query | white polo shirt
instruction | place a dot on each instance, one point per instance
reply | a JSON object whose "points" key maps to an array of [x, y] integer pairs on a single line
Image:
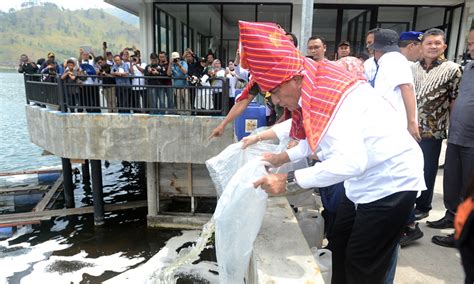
{"points": [[394, 70], [370, 69], [363, 148]]}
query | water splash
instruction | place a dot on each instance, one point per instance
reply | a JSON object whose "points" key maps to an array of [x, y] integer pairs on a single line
{"points": [[166, 275]]}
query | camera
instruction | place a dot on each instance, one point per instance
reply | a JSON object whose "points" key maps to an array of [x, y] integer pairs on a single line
{"points": [[175, 60]]}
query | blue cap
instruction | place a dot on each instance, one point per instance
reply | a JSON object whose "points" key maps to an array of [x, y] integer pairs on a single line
{"points": [[417, 36]]}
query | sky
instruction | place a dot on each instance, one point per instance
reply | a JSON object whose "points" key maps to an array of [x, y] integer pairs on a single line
{"points": [[5, 5]]}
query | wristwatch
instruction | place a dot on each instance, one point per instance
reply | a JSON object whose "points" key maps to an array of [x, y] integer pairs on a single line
{"points": [[291, 184]]}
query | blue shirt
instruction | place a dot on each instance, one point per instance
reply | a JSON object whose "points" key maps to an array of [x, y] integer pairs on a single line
{"points": [[122, 68], [176, 72]]}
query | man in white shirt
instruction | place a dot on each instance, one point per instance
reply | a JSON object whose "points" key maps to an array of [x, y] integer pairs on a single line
{"points": [[370, 66], [380, 163], [394, 79]]}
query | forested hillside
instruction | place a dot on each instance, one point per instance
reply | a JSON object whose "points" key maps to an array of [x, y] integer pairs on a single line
{"points": [[38, 30]]}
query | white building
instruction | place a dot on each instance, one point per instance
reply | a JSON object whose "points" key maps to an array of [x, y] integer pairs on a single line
{"points": [[212, 26]]}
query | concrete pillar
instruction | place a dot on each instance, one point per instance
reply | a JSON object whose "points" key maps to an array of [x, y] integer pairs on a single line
{"points": [[86, 176], [302, 23], [152, 190], [97, 193], [67, 183], [306, 23], [145, 15]]}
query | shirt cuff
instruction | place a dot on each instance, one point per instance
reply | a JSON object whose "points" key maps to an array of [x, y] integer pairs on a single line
{"points": [[300, 151], [304, 177]]}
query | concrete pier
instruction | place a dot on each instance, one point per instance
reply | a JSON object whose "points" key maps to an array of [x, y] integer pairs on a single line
{"points": [[86, 176], [67, 183], [97, 193], [174, 148]]}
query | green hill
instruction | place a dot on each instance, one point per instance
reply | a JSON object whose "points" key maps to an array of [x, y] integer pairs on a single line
{"points": [[38, 30]]}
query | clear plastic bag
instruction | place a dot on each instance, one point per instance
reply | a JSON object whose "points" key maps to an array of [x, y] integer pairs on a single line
{"points": [[240, 209], [238, 217], [223, 166]]}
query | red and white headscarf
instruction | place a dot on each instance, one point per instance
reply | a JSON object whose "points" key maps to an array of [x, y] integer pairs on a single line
{"points": [[272, 60]]}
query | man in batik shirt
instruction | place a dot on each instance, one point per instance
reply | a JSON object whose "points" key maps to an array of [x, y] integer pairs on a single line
{"points": [[436, 85]]}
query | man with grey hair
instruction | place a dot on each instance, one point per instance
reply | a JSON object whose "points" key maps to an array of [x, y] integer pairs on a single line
{"points": [[436, 86]]}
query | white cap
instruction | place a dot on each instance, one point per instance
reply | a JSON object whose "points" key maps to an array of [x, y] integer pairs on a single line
{"points": [[175, 55]]}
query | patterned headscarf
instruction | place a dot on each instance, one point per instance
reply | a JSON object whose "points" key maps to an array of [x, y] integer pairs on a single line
{"points": [[272, 60]]}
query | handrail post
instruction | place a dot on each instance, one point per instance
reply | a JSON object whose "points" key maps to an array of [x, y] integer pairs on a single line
{"points": [[62, 104], [26, 89], [225, 96]]}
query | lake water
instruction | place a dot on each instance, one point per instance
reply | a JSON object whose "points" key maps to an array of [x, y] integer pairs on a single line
{"points": [[16, 150], [72, 249]]}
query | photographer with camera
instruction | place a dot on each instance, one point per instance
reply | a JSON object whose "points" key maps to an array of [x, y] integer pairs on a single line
{"points": [[52, 57], [26, 66], [178, 69], [69, 77], [157, 68], [49, 71], [108, 56], [137, 69], [108, 82], [121, 72]]}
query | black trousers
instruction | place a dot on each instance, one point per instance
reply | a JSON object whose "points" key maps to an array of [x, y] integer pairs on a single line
{"points": [[458, 168], [363, 240]]}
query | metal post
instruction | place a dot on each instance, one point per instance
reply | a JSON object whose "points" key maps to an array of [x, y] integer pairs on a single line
{"points": [[61, 101], [86, 176], [225, 96], [151, 189], [67, 183], [97, 194]]}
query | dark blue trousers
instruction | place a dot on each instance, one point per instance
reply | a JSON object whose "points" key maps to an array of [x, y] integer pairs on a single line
{"points": [[431, 149]]}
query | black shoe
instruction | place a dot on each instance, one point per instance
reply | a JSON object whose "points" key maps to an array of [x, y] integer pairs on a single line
{"points": [[445, 241], [410, 235], [442, 223], [421, 214]]}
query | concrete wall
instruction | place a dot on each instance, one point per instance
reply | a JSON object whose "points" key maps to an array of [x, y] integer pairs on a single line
{"points": [[281, 253], [131, 137]]}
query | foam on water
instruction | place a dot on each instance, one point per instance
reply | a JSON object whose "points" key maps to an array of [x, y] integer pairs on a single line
{"points": [[168, 263], [20, 257], [49, 268], [70, 269]]}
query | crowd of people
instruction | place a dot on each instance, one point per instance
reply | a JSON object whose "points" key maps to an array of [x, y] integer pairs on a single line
{"points": [[376, 126], [128, 83]]}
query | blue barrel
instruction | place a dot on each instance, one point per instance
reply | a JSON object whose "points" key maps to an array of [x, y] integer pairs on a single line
{"points": [[48, 178], [6, 232], [252, 118]]}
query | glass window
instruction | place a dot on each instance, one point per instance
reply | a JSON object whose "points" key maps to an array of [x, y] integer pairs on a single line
{"points": [[211, 27], [206, 21], [171, 15], [230, 28], [279, 14], [453, 35], [429, 17], [324, 25], [355, 23], [399, 19]]}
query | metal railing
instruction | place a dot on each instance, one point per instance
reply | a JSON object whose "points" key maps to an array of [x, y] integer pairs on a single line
{"points": [[91, 94]]}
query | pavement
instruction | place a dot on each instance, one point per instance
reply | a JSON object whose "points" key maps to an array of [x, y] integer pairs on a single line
{"points": [[425, 262]]}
